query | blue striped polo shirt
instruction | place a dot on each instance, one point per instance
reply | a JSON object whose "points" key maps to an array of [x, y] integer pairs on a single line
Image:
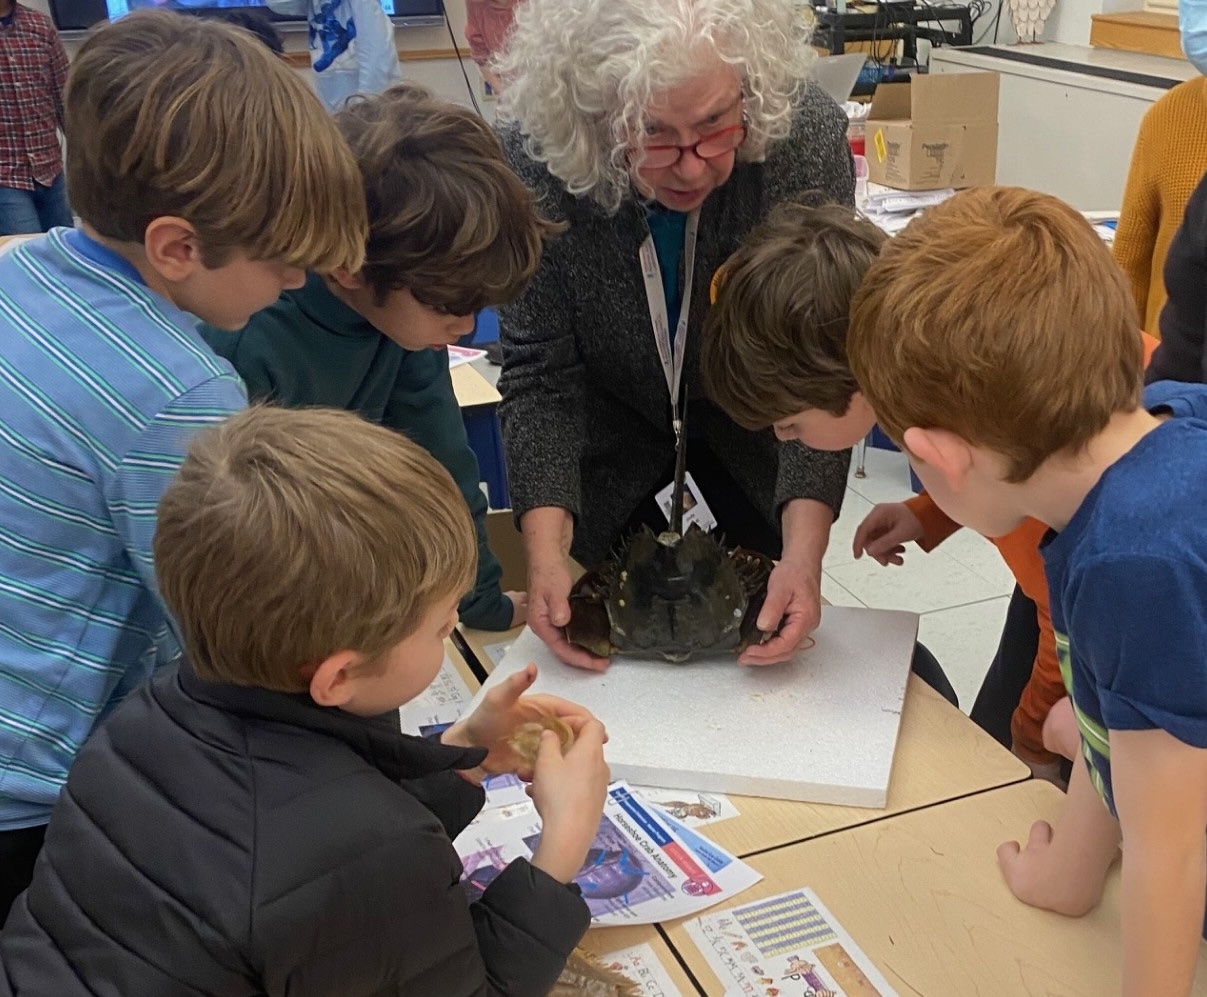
{"points": [[102, 385]]}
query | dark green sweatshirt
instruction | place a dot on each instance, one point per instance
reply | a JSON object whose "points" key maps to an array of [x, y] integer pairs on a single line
{"points": [[312, 349]]}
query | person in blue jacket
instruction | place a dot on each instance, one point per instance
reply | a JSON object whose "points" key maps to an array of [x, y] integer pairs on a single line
{"points": [[452, 231]]}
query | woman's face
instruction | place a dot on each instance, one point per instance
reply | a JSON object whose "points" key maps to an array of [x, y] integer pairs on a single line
{"points": [[701, 107]]}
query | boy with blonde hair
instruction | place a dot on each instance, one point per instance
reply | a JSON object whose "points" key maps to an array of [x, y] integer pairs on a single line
{"points": [[241, 824], [996, 340], [207, 179], [452, 230]]}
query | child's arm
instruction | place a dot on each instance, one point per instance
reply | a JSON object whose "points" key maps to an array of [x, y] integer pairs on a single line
{"points": [[1063, 867], [423, 406], [886, 530], [1160, 787]]}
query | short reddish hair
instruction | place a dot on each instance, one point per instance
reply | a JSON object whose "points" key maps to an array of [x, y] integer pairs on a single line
{"points": [[1000, 316]]}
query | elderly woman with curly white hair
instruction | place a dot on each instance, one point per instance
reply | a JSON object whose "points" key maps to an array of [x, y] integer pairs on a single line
{"points": [[660, 132]]}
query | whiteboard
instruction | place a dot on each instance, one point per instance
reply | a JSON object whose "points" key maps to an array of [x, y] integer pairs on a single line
{"points": [[821, 728]]}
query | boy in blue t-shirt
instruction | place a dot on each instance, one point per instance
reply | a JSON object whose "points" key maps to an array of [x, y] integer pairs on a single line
{"points": [[996, 341], [103, 377]]}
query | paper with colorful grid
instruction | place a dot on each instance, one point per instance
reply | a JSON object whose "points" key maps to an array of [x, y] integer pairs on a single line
{"points": [[785, 946]]}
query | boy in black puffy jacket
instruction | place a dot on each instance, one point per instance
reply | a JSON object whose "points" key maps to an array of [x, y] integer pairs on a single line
{"points": [[242, 824]]}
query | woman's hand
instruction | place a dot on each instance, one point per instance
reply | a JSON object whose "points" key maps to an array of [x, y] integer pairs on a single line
{"points": [[794, 589], [548, 531], [793, 597], [549, 612], [503, 709]]}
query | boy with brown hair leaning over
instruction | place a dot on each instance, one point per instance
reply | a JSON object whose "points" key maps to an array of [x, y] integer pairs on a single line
{"points": [[774, 350], [996, 340], [243, 824], [451, 231], [207, 178], [776, 355]]}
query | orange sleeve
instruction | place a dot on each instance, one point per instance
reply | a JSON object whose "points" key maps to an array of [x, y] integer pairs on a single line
{"points": [[1150, 347], [937, 526], [1043, 691]]}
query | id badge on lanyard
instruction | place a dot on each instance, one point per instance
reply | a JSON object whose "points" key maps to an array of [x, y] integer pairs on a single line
{"points": [[671, 356], [696, 508]]}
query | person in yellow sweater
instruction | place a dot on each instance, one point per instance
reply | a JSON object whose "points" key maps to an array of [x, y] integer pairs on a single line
{"points": [[1169, 159]]}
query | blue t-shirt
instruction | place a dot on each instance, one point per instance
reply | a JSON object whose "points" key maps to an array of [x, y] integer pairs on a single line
{"points": [[1128, 587], [102, 385]]}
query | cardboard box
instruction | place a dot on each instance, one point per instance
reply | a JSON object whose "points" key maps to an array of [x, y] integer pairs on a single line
{"points": [[934, 132]]}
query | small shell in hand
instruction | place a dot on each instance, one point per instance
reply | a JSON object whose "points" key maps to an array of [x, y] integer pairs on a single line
{"points": [[525, 740]]}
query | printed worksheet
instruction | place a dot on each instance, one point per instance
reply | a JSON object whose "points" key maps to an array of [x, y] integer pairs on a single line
{"points": [[687, 806], [438, 705], [786, 946], [643, 867], [641, 965]]}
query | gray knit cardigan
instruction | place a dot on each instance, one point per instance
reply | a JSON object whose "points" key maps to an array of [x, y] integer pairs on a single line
{"points": [[586, 414]]}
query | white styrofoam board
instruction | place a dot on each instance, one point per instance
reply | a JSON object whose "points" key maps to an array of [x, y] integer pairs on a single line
{"points": [[821, 728]]}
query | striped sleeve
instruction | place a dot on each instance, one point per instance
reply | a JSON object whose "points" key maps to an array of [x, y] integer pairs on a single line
{"points": [[148, 466]]}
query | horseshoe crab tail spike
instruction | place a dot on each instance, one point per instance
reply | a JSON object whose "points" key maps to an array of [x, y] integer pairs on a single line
{"points": [[680, 425]]}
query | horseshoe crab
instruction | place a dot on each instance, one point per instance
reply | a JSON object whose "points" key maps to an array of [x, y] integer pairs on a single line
{"points": [[673, 594]]}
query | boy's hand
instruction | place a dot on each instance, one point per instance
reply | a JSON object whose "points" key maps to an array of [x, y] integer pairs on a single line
{"points": [[519, 607], [1060, 730], [503, 709], [1065, 870], [569, 792], [885, 531], [1027, 870]]}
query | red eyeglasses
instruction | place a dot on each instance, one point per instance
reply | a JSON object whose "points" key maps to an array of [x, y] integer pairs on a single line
{"points": [[659, 157]]}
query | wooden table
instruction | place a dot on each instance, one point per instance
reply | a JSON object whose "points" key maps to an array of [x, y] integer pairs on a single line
{"points": [[471, 388], [8, 242], [941, 755], [922, 896]]}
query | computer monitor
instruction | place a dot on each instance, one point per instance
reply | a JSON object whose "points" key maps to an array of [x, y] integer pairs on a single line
{"points": [[79, 15]]}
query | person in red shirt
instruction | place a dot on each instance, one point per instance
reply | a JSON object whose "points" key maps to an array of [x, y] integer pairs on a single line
{"points": [[487, 24], [33, 72]]}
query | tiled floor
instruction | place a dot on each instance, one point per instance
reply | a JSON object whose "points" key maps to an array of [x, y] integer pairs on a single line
{"points": [[960, 589]]}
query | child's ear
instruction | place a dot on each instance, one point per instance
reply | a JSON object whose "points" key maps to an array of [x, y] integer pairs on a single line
{"points": [[347, 280], [858, 405], [946, 453], [332, 683], [172, 248]]}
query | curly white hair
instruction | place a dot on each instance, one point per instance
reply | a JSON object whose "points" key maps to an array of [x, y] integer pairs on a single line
{"points": [[580, 75]]}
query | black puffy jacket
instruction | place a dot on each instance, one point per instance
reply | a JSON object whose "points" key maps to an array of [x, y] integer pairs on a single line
{"points": [[222, 840]]}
